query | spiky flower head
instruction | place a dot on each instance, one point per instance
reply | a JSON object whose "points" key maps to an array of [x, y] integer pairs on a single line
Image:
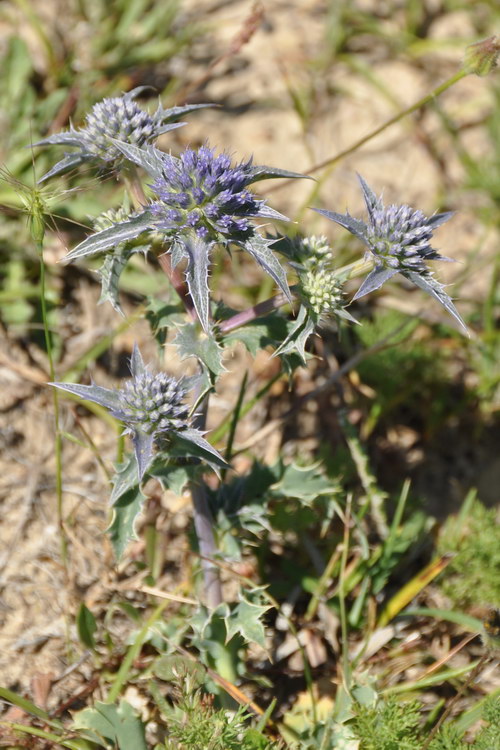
{"points": [[202, 199], [206, 193], [113, 119], [398, 239], [153, 409]]}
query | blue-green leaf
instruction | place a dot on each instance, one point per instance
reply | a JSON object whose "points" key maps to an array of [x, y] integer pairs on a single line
{"points": [[204, 347], [113, 236], [260, 249], [246, 618], [115, 725], [125, 511], [303, 327], [198, 253]]}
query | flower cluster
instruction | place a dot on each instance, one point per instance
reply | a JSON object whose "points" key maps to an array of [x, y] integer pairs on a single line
{"points": [[113, 119], [320, 287], [155, 402], [153, 409], [398, 240], [207, 194]]}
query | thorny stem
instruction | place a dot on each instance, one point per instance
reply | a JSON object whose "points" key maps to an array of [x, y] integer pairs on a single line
{"points": [[204, 526]]}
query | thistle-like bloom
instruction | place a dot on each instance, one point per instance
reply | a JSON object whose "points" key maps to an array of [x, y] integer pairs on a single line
{"points": [[201, 199], [119, 118], [152, 406], [206, 193], [398, 239]]}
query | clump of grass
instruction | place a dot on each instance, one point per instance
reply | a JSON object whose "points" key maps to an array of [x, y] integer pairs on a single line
{"points": [[473, 576]]}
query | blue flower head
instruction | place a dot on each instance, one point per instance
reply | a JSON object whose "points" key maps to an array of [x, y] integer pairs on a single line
{"points": [[205, 193], [113, 119], [153, 408], [201, 200], [398, 239]]}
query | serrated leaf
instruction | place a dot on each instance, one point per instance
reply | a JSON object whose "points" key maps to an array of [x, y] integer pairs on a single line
{"points": [[355, 226], [435, 289], [192, 443], [125, 479], [150, 158], [125, 512], [260, 249], [143, 448], [113, 236], [372, 202], [110, 273], [204, 347], [296, 340], [69, 162], [246, 619], [103, 396], [269, 330], [374, 280], [118, 725], [86, 626], [268, 173], [172, 113], [305, 483], [198, 253], [174, 478]]}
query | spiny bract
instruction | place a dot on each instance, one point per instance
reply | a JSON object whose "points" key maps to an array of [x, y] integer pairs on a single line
{"points": [[398, 239]]}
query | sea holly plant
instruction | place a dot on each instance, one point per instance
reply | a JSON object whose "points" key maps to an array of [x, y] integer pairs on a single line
{"points": [[182, 209]]}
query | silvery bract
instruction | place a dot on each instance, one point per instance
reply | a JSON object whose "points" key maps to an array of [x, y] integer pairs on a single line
{"points": [[153, 409], [118, 118], [398, 239], [201, 199]]}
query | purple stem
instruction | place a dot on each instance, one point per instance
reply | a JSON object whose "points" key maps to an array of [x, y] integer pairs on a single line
{"points": [[204, 526], [252, 313]]}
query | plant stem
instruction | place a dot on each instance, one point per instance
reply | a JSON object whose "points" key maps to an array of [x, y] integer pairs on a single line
{"points": [[38, 237], [204, 526]]}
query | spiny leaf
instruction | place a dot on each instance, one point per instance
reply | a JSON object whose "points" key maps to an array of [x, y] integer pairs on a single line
{"points": [[69, 162], [150, 158], [124, 480], [435, 289], [205, 348], [110, 273], [355, 226], [268, 173], [193, 443], [198, 252], [113, 236], [125, 512], [260, 249], [296, 340], [246, 618], [374, 280]]}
